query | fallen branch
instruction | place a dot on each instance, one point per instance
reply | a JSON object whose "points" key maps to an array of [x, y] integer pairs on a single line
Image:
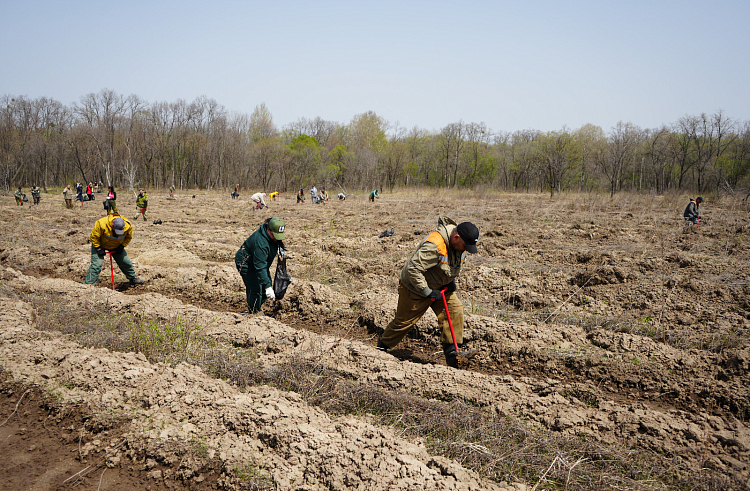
{"points": [[566, 300], [16, 409], [545, 473]]}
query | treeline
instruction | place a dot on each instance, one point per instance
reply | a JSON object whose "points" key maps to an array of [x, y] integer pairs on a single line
{"points": [[128, 142]]}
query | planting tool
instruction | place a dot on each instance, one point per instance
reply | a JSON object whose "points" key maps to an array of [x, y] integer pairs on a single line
{"points": [[112, 269], [467, 354], [448, 315]]}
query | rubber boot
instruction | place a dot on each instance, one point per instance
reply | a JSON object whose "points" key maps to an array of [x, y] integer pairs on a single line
{"points": [[451, 357]]}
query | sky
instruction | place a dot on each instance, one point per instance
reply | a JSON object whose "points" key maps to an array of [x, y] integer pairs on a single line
{"points": [[513, 65]]}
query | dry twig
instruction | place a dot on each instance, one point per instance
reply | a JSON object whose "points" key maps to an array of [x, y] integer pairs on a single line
{"points": [[16, 409]]}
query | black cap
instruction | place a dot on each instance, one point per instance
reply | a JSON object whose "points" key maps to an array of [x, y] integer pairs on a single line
{"points": [[699, 198], [470, 234]]}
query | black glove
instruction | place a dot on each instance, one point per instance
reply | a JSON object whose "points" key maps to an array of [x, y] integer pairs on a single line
{"points": [[436, 295], [100, 252], [120, 249], [451, 287]]}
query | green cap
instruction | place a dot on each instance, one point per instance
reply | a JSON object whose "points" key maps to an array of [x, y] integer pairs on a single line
{"points": [[276, 225]]}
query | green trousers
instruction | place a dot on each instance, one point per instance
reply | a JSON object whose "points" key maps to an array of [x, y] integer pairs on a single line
{"points": [[122, 260], [411, 307], [253, 289]]}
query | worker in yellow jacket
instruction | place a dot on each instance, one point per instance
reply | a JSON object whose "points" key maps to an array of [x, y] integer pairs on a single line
{"points": [[110, 235]]}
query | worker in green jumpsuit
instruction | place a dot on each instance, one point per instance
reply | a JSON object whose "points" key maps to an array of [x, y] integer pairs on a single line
{"points": [[254, 259]]}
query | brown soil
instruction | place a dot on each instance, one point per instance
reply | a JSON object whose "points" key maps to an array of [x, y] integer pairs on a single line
{"points": [[585, 316]]}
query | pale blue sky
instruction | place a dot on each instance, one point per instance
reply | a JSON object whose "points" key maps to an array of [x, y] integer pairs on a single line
{"points": [[511, 64]]}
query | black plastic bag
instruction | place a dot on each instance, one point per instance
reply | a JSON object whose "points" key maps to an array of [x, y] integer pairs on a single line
{"points": [[281, 279], [106, 204]]}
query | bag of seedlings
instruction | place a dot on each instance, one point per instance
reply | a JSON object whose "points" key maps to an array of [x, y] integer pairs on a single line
{"points": [[282, 278]]}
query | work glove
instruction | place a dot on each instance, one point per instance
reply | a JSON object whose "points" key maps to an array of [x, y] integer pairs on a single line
{"points": [[451, 287], [119, 249], [436, 295], [270, 293], [100, 252]]}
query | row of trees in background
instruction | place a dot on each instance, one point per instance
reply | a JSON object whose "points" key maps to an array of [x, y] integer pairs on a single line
{"points": [[128, 142]]}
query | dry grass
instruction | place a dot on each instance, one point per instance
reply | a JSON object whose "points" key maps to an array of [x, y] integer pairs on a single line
{"points": [[498, 446]]}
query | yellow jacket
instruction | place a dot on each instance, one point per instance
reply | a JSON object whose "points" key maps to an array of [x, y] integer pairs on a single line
{"points": [[103, 235]]}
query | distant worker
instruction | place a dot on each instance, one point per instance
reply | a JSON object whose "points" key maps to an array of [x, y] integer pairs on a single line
{"points": [[323, 196], [342, 196], [236, 192], [260, 200], [19, 196], [692, 213], [141, 203], [171, 191], [314, 195], [301, 196], [90, 192], [111, 203], [79, 192], [36, 194], [374, 195], [255, 258], [273, 195], [68, 196], [111, 234], [430, 273]]}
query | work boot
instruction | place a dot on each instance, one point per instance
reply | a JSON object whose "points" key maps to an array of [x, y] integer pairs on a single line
{"points": [[137, 281], [451, 357], [381, 346]]}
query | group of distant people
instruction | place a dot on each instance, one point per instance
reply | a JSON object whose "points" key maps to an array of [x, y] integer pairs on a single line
{"points": [[322, 196], [317, 197]]}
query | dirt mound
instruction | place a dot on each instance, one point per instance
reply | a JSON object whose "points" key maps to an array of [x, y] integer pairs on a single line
{"points": [[617, 329], [172, 408]]}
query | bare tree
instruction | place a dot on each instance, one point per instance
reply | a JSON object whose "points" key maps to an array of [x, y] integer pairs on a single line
{"points": [[621, 144], [476, 153], [99, 113], [557, 151]]}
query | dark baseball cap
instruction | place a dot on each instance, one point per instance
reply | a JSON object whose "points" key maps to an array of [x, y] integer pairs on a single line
{"points": [[470, 234]]}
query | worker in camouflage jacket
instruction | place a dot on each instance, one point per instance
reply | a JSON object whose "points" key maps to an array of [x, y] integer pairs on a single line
{"points": [[434, 266], [141, 203], [692, 212]]}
